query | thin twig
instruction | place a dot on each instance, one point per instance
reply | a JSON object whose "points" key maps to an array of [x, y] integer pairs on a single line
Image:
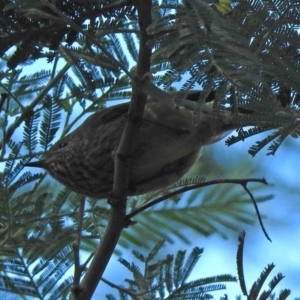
{"points": [[29, 155], [131, 293], [10, 95], [257, 211], [190, 188], [242, 182], [84, 265], [76, 245]]}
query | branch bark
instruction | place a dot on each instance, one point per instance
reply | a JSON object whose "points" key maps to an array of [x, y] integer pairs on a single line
{"points": [[117, 219]]}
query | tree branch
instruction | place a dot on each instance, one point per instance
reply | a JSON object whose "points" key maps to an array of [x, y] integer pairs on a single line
{"points": [[117, 219], [76, 246], [190, 188], [242, 182]]}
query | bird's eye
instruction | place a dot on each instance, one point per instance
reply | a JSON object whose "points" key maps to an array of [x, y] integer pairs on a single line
{"points": [[63, 144]]}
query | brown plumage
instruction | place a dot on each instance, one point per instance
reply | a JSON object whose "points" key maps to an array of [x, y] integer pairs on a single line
{"points": [[166, 147]]}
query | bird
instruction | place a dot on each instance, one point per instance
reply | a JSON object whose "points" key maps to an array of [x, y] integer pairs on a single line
{"points": [[166, 147]]}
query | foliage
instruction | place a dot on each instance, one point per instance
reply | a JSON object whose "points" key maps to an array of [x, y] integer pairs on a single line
{"points": [[258, 284], [88, 51], [167, 278], [248, 55]]}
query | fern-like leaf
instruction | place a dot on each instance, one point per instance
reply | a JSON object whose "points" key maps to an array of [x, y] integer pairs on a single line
{"points": [[190, 263], [239, 263], [178, 268], [30, 132], [50, 123], [257, 286]]}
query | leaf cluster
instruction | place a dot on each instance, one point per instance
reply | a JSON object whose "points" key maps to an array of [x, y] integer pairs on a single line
{"points": [[258, 284], [167, 278], [33, 25], [249, 56]]}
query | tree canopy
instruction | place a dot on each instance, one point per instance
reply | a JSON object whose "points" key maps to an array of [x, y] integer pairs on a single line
{"points": [[62, 60]]}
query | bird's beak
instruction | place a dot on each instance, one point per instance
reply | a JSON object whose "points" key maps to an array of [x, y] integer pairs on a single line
{"points": [[36, 164]]}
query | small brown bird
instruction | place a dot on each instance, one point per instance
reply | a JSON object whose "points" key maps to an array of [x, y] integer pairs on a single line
{"points": [[166, 147]]}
